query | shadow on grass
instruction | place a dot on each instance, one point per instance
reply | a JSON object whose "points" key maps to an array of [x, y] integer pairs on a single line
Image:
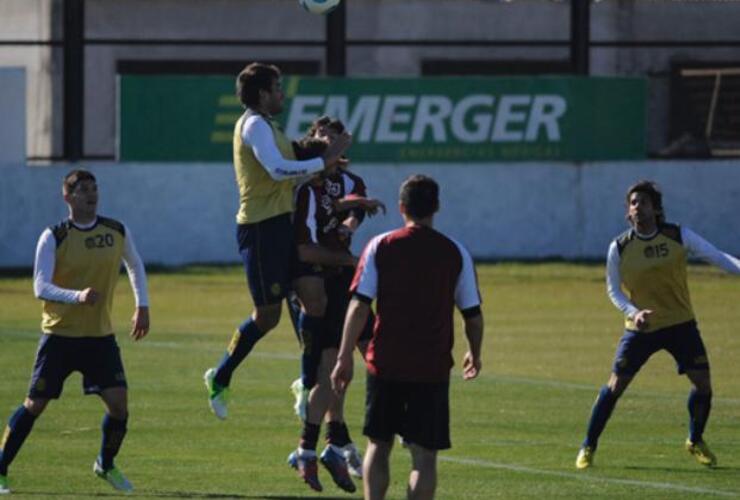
{"points": [[193, 494], [673, 470], [179, 494]]}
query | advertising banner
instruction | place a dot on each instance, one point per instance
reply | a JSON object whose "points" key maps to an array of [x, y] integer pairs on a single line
{"points": [[191, 118]]}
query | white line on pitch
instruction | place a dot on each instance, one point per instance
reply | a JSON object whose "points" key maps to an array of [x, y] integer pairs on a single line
{"points": [[584, 476]]}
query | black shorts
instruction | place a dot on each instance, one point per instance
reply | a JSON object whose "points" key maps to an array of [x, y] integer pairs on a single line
{"points": [[338, 295], [417, 411], [97, 358]]}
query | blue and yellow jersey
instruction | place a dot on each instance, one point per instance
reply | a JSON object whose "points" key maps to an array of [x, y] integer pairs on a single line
{"points": [[260, 196], [85, 258], [653, 276]]}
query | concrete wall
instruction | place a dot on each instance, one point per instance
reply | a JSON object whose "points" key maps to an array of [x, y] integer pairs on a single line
{"points": [[13, 113], [34, 20], [182, 214]]}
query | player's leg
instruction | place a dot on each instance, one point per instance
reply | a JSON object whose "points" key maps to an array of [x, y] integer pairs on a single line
{"points": [[699, 405], [103, 374], [322, 396], [633, 351], [688, 350], [384, 413], [266, 249], [601, 411], [51, 368], [423, 477], [17, 430], [114, 428], [376, 468], [425, 431], [337, 434], [305, 459], [313, 299]]}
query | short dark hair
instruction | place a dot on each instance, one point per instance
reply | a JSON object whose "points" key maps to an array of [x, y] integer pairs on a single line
{"points": [[651, 189], [253, 78], [419, 195], [308, 148], [75, 177], [326, 121]]}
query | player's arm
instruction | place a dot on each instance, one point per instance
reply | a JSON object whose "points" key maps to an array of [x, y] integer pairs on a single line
{"points": [[137, 277], [313, 253], [258, 134], [306, 237], [354, 323], [468, 300], [700, 248], [43, 272], [473, 320], [364, 288], [615, 293], [369, 205]]}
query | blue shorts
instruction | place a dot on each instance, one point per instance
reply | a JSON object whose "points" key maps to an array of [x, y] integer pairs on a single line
{"points": [[268, 251], [97, 358], [682, 341]]}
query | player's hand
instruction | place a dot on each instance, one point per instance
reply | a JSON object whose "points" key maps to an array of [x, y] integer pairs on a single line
{"points": [[341, 376], [336, 149], [641, 319], [89, 296], [140, 323], [471, 366]]}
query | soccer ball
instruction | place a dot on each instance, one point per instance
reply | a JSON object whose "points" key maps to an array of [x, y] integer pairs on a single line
{"points": [[319, 6]]}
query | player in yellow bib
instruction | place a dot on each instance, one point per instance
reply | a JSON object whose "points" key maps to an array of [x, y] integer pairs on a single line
{"points": [[75, 273], [266, 172], [646, 280]]}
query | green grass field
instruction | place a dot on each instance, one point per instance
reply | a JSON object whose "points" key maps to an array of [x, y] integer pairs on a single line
{"points": [[550, 338]]}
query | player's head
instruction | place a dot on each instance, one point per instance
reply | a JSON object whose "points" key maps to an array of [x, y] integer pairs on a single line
{"points": [[419, 197], [644, 199], [80, 191], [258, 87], [74, 178]]}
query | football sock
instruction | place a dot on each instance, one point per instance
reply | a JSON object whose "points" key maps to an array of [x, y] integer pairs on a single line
{"points": [[309, 436], [337, 434], [114, 431], [18, 428], [699, 405], [600, 414], [244, 339], [310, 331], [294, 312]]}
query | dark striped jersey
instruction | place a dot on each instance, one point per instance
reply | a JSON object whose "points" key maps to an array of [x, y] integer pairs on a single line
{"points": [[315, 219]]}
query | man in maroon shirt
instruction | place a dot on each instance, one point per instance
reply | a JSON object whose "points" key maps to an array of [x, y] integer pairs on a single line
{"points": [[417, 275]]}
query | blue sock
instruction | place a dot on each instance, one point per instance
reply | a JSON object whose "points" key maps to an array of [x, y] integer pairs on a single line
{"points": [[114, 431], [310, 328], [19, 426], [600, 414], [244, 339], [699, 405]]}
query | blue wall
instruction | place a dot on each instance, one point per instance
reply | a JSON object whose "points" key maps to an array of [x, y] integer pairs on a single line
{"points": [[185, 213]]}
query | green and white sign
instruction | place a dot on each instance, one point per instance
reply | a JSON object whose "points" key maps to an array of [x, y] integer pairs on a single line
{"points": [[401, 120]]}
